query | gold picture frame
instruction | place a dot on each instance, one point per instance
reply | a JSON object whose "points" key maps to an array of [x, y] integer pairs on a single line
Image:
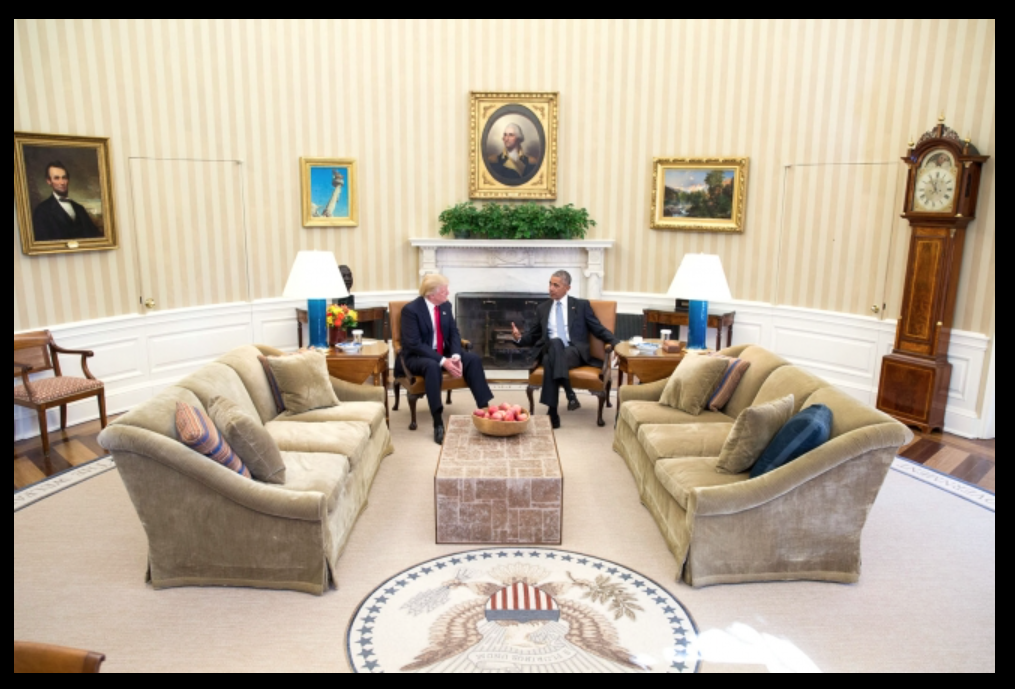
{"points": [[513, 146], [63, 192], [330, 191], [700, 194]]}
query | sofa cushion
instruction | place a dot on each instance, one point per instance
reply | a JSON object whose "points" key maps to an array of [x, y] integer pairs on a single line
{"points": [[682, 476], [198, 432], [753, 432], [363, 412], [245, 361], [304, 382], [763, 365], [249, 440], [332, 437], [805, 432], [693, 383], [638, 414], [790, 380], [848, 413], [688, 440], [219, 380], [316, 473]]}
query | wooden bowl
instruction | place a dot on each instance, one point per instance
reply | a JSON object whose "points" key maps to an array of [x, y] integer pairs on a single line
{"points": [[501, 429]]}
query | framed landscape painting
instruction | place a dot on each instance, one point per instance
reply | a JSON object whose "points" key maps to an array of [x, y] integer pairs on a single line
{"points": [[700, 194], [514, 146], [330, 192], [63, 192]]}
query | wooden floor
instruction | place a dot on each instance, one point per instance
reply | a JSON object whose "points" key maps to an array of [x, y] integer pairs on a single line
{"points": [[967, 460]]}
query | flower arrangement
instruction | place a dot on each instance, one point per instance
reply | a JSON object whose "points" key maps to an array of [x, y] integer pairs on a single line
{"points": [[340, 316]]}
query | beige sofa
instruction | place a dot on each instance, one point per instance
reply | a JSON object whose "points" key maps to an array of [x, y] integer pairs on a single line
{"points": [[208, 526], [801, 522]]}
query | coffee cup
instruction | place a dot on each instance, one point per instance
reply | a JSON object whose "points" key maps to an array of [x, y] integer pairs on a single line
{"points": [[357, 337], [637, 341], [666, 335]]}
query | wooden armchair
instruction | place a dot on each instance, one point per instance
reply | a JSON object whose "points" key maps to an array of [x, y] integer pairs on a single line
{"points": [[415, 386], [38, 353], [36, 659], [598, 381]]}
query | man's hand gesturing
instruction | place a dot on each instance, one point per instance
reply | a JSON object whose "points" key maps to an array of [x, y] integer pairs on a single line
{"points": [[515, 332]]}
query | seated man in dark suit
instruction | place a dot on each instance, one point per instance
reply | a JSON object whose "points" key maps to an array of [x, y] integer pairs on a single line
{"points": [[561, 339], [432, 344], [58, 219]]}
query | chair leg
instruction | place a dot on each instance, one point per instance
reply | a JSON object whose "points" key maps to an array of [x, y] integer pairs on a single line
{"points": [[102, 410], [398, 396], [603, 398], [532, 399], [449, 398], [63, 417], [44, 432], [412, 408]]}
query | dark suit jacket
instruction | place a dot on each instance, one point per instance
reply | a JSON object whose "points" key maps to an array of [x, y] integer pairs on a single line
{"points": [[51, 223], [418, 333], [581, 321]]}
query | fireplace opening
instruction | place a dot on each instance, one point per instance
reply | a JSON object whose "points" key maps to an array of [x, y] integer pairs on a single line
{"points": [[485, 320]]}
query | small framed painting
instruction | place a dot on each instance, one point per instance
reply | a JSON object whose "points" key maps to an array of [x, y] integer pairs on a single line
{"points": [[700, 194], [63, 192], [514, 146], [330, 192]]}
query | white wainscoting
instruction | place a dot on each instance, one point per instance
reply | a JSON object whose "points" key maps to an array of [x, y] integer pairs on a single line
{"points": [[843, 349], [989, 402], [139, 356]]}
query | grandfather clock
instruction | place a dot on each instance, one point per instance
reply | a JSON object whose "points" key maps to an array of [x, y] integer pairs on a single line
{"points": [[944, 186]]}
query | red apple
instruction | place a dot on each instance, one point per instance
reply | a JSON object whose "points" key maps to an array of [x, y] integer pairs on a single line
{"points": [[499, 416], [479, 412], [509, 417], [493, 410], [523, 417]]}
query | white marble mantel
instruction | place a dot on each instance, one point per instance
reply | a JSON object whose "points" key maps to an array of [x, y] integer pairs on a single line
{"points": [[515, 265]]}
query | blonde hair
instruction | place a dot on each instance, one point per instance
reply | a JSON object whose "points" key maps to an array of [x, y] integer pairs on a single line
{"points": [[432, 283]]}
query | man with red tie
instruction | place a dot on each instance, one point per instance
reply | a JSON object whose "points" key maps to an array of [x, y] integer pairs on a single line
{"points": [[432, 344]]}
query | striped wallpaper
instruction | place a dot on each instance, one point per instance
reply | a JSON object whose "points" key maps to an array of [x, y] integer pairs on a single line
{"points": [[208, 120]]}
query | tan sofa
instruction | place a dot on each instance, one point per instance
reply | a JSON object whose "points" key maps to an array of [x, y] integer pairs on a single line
{"points": [[801, 522], [208, 526]]}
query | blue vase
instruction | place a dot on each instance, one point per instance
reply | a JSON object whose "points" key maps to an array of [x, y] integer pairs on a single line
{"points": [[698, 326], [317, 316]]}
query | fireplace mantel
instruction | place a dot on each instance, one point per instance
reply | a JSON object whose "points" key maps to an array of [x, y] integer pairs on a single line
{"points": [[515, 265]]}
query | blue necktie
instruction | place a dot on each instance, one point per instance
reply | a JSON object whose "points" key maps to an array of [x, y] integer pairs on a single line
{"points": [[561, 330]]}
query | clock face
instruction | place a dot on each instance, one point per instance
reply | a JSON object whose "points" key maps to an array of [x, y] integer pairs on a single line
{"points": [[936, 184]]}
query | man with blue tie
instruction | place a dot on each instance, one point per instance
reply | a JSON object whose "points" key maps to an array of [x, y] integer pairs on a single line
{"points": [[561, 339], [432, 345]]}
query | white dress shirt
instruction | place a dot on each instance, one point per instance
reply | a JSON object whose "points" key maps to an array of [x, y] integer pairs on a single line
{"points": [[66, 205], [436, 324], [553, 319]]}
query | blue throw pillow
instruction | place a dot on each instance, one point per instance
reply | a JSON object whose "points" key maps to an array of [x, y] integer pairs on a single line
{"points": [[807, 431]]}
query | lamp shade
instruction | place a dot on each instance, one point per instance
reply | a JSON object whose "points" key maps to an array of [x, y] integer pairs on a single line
{"points": [[315, 275], [700, 278]]}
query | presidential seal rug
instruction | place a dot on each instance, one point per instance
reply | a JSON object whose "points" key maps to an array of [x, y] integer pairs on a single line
{"points": [[522, 611]]}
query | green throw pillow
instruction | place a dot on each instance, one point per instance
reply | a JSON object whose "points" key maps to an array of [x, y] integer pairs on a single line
{"points": [[752, 433], [249, 440], [693, 383], [304, 382]]}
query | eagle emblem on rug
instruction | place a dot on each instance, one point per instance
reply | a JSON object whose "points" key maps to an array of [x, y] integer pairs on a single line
{"points": [[519, 621]]}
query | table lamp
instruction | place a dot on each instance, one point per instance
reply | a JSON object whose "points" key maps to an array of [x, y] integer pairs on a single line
{"points": [[700, 279], [316, 278]]}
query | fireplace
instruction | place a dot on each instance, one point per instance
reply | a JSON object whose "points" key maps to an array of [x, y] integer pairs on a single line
{"points": [[485, 320]]}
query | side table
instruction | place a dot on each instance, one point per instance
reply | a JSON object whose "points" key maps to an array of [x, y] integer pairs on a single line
{"points": [[371, 361], [647, 368], [716, 321]]}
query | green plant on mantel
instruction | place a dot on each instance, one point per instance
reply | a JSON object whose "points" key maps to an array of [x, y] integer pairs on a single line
{"points": [[506, 221]]}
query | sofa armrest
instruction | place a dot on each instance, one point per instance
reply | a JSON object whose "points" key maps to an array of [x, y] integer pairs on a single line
{"points": [[748, 495], [258, 497], [350, 392], [652, 392]]}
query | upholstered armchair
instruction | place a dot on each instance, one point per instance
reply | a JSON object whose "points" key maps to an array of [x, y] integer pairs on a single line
{"points": [[38, 353], [598, 381], [38, 659], [415, 386]]}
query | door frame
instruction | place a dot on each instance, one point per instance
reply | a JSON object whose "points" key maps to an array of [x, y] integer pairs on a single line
{"points": [[989, 400]]}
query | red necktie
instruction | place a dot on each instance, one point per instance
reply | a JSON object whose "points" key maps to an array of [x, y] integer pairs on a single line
{"points": [[440, 331]]}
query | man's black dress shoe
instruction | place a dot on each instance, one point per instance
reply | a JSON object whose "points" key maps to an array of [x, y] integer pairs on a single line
{"points": [[573, 404], [438, 435], [555, 420]]}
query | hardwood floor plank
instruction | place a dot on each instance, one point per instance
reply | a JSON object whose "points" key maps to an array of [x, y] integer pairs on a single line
{"points": [[76, 453], [988, 481], [947, 460], [974, 469], [921, 451], [26, 474]]}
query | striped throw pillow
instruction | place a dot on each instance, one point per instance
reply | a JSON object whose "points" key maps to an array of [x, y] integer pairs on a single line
{"points": [[735, 370], [199, 434], [275, 391]]}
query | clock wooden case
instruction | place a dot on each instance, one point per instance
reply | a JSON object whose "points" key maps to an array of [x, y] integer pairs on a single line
{"points": [[941, 198]]}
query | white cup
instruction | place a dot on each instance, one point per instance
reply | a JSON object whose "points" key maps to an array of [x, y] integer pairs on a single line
{"points": [[637, 341], [666, 334], [357, 337]]}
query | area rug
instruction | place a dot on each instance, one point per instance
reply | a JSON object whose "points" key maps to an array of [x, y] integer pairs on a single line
{"points": [[61, 482], [532, 611]]}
